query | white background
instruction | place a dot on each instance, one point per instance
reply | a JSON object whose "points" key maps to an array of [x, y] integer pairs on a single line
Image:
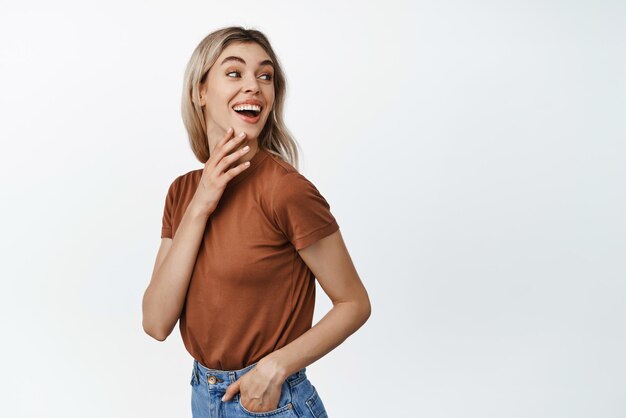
{"points": [[472, 152]]}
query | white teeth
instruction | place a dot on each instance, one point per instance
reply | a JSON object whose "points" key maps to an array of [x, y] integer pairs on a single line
{"points": [[247, 107]]}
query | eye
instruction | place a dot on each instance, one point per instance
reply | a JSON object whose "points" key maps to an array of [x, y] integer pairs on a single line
{"points": [[269, 76]]}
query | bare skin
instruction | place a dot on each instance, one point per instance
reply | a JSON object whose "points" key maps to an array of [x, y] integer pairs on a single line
{"points": [[332, 266], [328, 258], [230, 81], [164, 298]]}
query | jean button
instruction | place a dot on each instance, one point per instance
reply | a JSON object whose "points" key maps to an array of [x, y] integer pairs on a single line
{"points": [[212, 380]]}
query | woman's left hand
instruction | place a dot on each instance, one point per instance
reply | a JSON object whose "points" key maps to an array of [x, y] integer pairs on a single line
{"points": [[260, 388]]}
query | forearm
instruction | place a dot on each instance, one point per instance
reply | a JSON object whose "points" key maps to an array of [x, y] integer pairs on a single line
{"points": [[165, 296], [337, 325]]}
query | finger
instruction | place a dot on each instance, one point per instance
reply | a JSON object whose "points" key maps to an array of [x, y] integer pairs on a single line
{"points": [[230, 174], [232, 140], [228, 146], [216, 156], [230, 391], [226, 137], [227, 161]]}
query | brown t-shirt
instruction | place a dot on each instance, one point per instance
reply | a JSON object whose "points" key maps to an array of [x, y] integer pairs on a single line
{"points": [[250, 292]]}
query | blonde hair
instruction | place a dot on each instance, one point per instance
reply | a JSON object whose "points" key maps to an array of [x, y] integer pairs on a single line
{"points": [[275, 137]]}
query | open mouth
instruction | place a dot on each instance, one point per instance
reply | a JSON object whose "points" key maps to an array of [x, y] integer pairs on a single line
{"points": [[249, 115]]}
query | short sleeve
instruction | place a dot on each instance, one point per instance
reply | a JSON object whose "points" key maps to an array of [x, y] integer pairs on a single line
{"points": [[168, 210], [300, 211]]}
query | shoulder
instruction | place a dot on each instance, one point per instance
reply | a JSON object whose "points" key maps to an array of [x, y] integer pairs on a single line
{"points": [[278, 164], [183, 185], [291, 189], [281, 185], [190, 176], [186, 179], [284, 180], [296, 206]]}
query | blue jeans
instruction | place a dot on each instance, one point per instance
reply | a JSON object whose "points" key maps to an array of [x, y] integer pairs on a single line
{"points": [[298, 397]]}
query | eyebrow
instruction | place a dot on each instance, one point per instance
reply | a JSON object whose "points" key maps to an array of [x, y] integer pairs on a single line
{"points": [[239, 59]]}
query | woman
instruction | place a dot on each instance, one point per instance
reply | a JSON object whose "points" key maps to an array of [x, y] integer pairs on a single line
{"points": [[243, 240]]}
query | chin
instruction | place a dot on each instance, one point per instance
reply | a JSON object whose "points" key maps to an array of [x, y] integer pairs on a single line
{"points": [[251, 131]]}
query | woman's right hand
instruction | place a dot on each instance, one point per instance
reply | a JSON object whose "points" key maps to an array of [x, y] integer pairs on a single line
{"points": [[214, 177]]}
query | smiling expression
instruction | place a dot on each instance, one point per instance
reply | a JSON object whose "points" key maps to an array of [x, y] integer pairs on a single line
{"points": [[243, 73]]}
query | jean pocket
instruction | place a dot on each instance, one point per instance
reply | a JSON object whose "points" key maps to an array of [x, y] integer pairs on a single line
{"points": [[284, 410], [315, 405]]}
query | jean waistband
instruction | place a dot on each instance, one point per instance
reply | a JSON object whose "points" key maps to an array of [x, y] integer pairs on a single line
{"points": [[223, 378]]}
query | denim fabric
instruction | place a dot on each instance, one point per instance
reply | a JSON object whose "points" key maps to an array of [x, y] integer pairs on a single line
{"points": [[298, 398]]}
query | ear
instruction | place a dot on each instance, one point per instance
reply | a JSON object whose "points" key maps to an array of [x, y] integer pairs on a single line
{"points": [[202, 94]]}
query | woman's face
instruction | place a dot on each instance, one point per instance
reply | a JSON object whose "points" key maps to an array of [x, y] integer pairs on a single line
{"points": [[242, 73]]}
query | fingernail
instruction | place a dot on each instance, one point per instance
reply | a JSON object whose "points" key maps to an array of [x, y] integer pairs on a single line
{"points": [[241, 134], [223, 398]]}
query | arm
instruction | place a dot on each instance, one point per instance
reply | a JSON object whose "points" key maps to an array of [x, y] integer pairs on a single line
{"points": [[164, 298], [331, 264]]}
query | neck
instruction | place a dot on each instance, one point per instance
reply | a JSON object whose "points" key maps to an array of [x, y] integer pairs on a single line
{"points": [[247, 156]]}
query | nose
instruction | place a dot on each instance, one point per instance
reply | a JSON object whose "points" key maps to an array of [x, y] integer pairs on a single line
{"points": [[251, 85]]}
